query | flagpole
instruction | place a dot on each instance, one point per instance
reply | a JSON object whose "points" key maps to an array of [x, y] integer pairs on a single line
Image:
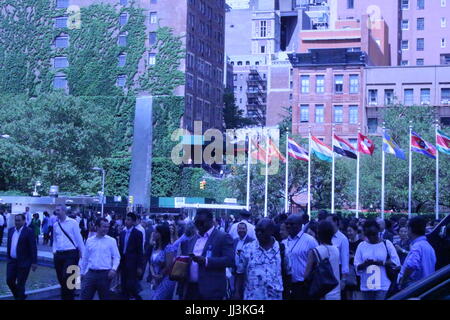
{"points": [[248, 171], [332, 173], [410, 172], [357, 174], [286, 205], [309, 172], [267, 174], [383, 160], [437, 172]]}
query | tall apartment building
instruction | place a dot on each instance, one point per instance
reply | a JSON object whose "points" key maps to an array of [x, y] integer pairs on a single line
{"points": [[201, 24]]}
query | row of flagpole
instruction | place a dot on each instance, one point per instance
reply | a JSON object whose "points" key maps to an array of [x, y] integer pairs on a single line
{"points": [[389, 146]]}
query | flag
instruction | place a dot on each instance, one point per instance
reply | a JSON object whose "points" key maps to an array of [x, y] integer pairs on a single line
{"points": [[389, 146], [421, 146], [321, 150], [365, 145], [443, 142], [297, 152], [259, 152], [343, 147]]}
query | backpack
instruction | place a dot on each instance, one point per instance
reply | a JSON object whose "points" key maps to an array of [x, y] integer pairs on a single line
{"points": [[322, 279]]}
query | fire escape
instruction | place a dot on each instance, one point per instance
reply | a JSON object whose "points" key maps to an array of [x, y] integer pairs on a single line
{"points": [[256, 97]]}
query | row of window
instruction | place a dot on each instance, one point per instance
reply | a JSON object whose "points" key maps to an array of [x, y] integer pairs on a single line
{"points": [[204, 49], [405, 4], [203, 88], [445, 59], [353, 79], [338, 113], [408, 96], [420, 25], [420, 44]]}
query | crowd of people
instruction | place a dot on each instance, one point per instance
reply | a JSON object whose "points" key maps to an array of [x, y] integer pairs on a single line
{"points": [[213, 257]]}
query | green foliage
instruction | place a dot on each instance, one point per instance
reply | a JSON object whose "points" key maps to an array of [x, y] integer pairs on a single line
{"points": [[164, 77], [165, 177]]}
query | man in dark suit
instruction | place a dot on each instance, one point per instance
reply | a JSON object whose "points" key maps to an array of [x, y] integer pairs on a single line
{"points": [[22, 256], [211, 251], [132, 258], [84, 226], [384, 233]]}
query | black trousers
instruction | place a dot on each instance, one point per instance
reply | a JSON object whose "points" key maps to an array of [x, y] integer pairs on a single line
{"points": [[129, 283], [299, 291], [192, 293], [95, 281], [63, 260], [2, 228], [16, 277]]}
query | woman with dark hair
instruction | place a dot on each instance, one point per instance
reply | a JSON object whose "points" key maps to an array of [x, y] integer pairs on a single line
{"points": [[370, 261], [325, 233], [45, 227], [160, 263], [312, 229], [352, 281]]}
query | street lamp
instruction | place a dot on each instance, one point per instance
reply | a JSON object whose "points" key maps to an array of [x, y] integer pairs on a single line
{"points": [[36, 184], [103, 184]]}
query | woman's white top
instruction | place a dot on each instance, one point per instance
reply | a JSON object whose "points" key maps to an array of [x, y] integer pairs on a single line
{"points": [[332, 253]]}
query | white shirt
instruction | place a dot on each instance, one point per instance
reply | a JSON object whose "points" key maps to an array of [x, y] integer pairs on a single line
{"points": [[28, 218], [297, 250], [14, 241], [61, 242], [374, 278], [332, 253], [100, 253], [108, 217], [140, 228], [340, 241], [198, 250], [250, 229], [2, 221]]}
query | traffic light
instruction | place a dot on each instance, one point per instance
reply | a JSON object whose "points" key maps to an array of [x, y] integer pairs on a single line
{"points": [[202, 185]]}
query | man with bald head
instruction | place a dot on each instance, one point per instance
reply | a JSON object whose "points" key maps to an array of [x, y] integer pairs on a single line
{"points": [[298, 245], [259, 271]]}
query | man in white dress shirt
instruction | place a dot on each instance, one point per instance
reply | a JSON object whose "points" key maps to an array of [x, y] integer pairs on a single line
{"points": [[28, 216], [99, 265], [68, 249], [245, 215], [341, 242]]}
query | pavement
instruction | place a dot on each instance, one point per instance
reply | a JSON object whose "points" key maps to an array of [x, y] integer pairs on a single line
{"points": [[45, 253]]}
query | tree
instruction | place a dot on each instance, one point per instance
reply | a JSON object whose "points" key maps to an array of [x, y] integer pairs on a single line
{"points": [[233, 116]]}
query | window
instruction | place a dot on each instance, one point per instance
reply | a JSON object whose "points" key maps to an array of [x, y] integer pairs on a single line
{"points": [[350, 4], [354, 83], [153, 17], [404, 62], [152, 38], [405, 4], [121, 80], [408, 98], [235, 77], [420, 62], [320, 84], [372, 124], [122, 40], [263, 29], [420, 23], [445, 58], [338, 83], [60, 62], [123, 2], [122, 60], [304, 113], [405, 44], [304, 80], [373, 96], [353, 114], [61, 22], [263, 49], [420, 4], [338, 114], [443, 23], [123, 19], [405, 24], [60, 82], [425, 96], [388, 96], [445, 95], [443, 3], [443, 43], [62, 4], [152, 59], [62, 41], [420, 44], [319, 113], [190, 81]]}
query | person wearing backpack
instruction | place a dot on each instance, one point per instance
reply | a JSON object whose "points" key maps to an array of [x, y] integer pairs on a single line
{"points": [[325, 253], [374, 261]]}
